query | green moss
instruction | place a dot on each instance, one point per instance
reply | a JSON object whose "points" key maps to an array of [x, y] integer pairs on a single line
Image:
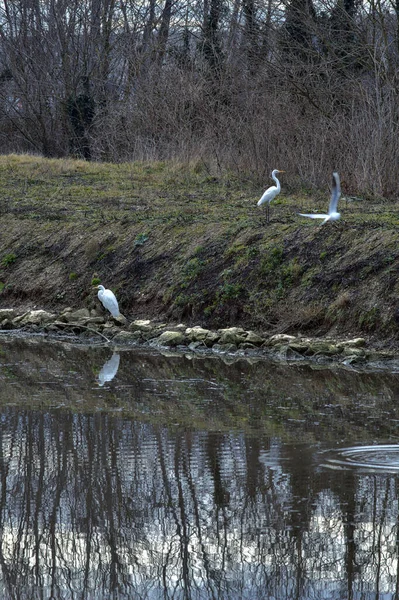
{"points": [[229, 291], [8, 259], [192, 270], [271, 260]]}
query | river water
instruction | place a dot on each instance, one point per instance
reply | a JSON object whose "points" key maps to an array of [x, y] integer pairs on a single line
{"points": [[137, 474]]}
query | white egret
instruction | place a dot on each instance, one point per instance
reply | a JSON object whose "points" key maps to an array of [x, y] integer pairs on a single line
{"points": [[108, 300], [332, 215], [271, 193]]}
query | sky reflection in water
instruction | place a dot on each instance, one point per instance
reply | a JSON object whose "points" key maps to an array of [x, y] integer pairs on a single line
{"points": [[139, 475]]}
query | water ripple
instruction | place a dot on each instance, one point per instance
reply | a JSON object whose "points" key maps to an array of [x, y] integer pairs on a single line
{"points": [[376, 458]]}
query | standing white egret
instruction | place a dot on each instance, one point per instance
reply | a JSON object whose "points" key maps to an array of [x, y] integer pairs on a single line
{"points": [[332, 215], [271, 193], [108, 300]]}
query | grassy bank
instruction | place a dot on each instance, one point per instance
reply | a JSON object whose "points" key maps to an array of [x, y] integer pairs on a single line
{"points": [[177, 243]]}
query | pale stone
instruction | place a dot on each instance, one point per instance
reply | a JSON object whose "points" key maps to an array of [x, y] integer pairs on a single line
{"points": [[77, 315], [141, 325], [8, 313], [93, 321], [281, 338], [170, 338], [126, 337], [299, 346], [196, 334], [358, 352], [6, 324], [232, 335], [254, 338], [37, 317], [236, 330], [211, 338], [120, 320], [355, 343], [321, 347]]}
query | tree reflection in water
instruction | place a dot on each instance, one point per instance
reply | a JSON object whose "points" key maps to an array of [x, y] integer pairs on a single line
{"points": [[205, 485], [95, 505]]}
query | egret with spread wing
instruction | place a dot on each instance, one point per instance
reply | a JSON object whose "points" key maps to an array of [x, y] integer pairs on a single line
{"points": [[271, 193], [108, 300], [332, 215]]}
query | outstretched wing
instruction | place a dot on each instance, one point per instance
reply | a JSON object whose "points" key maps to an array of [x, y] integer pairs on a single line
{"points": [[314, 216], [335, 194]]}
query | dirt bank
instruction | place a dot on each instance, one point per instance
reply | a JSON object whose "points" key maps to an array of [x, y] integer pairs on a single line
{"points": [[176, 243]]}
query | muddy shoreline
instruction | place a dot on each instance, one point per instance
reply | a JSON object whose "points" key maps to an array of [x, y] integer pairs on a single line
{"points": [[92, 327]]}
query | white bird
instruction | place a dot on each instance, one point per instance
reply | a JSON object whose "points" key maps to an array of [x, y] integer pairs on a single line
{"points": [[108, 300], [109, 369], [333, 215], [271, 193]]}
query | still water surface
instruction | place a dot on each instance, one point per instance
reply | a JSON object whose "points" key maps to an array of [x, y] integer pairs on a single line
{"points": [[134, 474]]}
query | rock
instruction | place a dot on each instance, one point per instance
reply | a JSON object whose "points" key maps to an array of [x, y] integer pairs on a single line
{"points": [[232, 335], [254, 338], [355, 343], [109, 329], [358, 352], [76, 315], [93, 321], [8, 313], [120, 320], [299, 346], [212, 338], [127, 337], [141, 325], [196, 334], [6, 324], [37, 317], [170, 338], [150, 335], [322, 347], [280, 338]]}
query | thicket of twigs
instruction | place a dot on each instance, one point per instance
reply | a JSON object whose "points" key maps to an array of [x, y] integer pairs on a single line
{"points": [[236, 85]]}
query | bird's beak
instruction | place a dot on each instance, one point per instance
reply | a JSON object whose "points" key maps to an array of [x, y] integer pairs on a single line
{"points": [[281, 171]]}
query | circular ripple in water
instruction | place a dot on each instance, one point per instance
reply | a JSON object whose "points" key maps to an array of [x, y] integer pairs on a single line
{"points": [[378, 459]]}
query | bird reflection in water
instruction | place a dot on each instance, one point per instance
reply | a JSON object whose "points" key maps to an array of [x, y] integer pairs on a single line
{"points": [[109, 370]]}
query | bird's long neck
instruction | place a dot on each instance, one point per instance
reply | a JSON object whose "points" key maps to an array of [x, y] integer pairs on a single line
{"points": [[277, 182]]}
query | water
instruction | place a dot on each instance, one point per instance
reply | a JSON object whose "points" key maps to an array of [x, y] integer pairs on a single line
{"points": [[133, 474]]}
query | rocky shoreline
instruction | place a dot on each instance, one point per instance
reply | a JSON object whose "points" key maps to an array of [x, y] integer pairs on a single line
{"points": [[88, 325]]}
